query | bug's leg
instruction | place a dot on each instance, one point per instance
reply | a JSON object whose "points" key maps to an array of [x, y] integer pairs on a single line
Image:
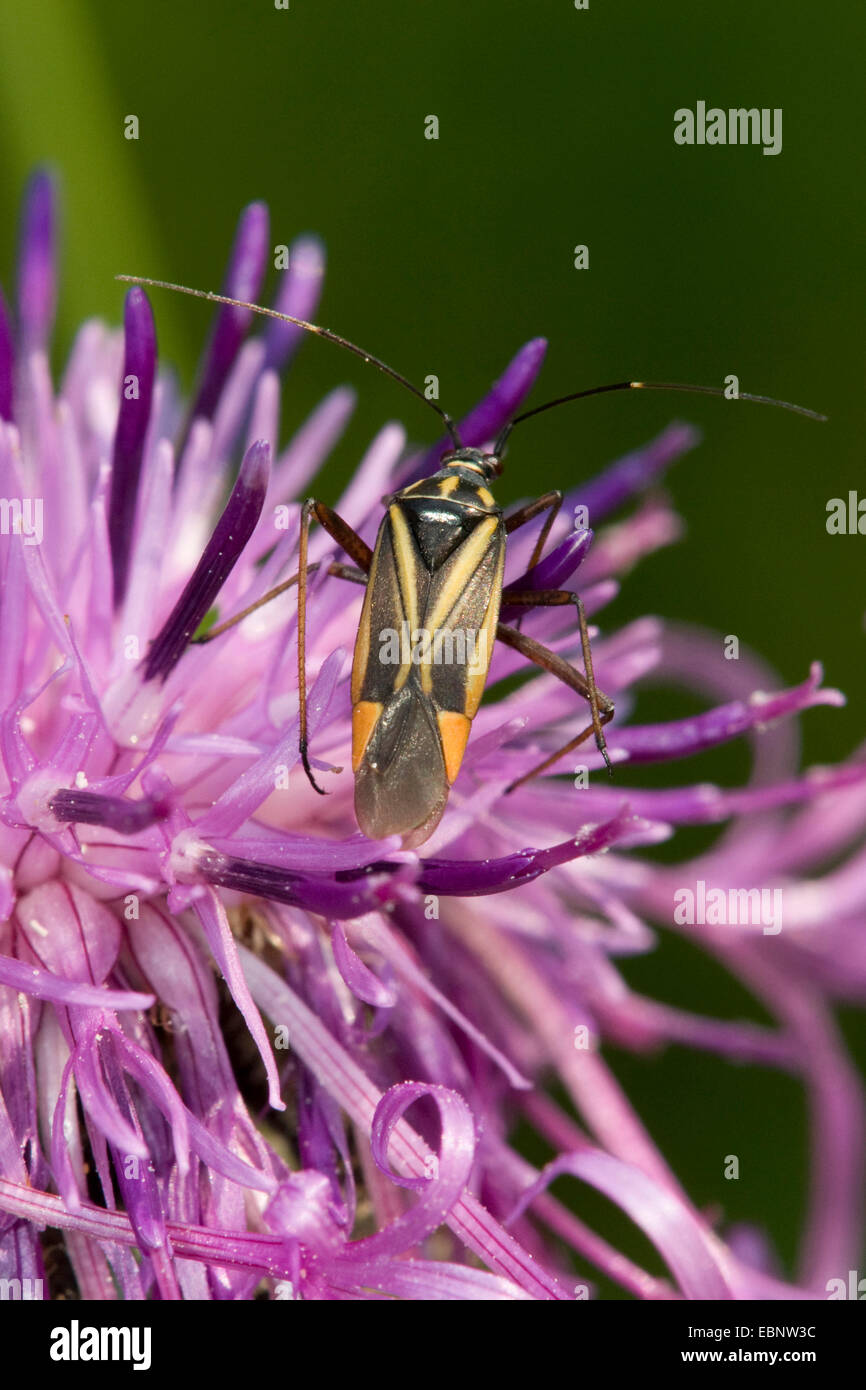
{"points": [[250, 608], [340, 571], [355, 576], [550, 503], [339, 531], [601, 705], [357, 550]]}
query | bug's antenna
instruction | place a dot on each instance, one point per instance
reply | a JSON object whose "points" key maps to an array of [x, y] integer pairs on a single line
{"points": [[650, 386], [309, 328]]}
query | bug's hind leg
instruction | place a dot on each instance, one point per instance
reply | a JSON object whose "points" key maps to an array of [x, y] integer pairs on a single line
{"points": [[601, 706]]}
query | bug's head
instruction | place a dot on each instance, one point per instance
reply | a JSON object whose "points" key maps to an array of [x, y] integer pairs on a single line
{"points": [[488, 465]]}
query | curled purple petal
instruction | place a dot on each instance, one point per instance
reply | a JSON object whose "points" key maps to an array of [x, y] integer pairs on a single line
{"points": [[447, 1174], [694, 1257]]}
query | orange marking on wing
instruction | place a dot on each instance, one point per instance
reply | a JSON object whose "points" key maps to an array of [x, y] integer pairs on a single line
{"points": [[454, 731], [364, 716]]}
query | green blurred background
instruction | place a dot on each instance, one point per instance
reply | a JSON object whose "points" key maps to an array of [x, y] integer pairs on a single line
{"points": [[556, 128]]}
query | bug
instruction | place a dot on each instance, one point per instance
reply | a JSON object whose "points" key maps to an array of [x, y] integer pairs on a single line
{"points": [[430, 616]]}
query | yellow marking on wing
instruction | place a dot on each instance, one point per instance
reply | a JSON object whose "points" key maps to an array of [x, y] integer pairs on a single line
{"points": [[364, 717], [362, 639], [468, 558], [454, 731], [476, 680], [407, 570], [425, 668], [404, 555]]}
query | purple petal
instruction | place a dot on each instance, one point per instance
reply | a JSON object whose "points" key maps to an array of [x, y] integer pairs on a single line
{"points": [[504, 396], [494, 410], [101, 1104], [7, 362], [315, 893], [681, 737], [41, 984], [257, 783], [69, 932], [634, 473], [696, 1259], [215, 925], [359, 977], [552, 572], [469, 878], [36, 268], [298, 295], [435, 1280], [242, 281], [441, 1185], [221, 554], [139, 362], [359, 1097], [120, 813], [376, 931]]}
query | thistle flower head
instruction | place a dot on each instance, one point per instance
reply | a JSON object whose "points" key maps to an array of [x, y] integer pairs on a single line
{"points": [[219, 1000]]}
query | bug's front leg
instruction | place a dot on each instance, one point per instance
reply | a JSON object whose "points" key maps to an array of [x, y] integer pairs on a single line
{"points": [[601, 706], [357, 550], [550, 503]]}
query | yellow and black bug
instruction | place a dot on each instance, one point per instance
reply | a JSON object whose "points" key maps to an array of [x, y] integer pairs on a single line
{"points": [[430, 615], [425, 640]]}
